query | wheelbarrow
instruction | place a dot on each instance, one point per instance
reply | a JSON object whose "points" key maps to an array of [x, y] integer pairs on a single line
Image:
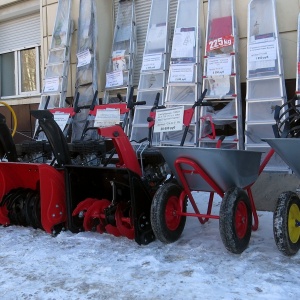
{"points": [[228, 172], [286, 219]]}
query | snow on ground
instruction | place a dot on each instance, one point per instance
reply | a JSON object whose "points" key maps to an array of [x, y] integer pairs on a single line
{"points": [[35, 265]]}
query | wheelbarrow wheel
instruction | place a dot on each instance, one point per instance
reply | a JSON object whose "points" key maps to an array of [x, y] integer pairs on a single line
{"points": [[166, 223], [235, 220], [286, 223]]}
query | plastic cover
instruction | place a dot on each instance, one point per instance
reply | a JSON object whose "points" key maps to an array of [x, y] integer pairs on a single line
{"points": [[262, 40]]}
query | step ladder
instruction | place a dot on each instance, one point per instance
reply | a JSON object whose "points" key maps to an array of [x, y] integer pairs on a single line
{"points": [[86, 85], [154, 70], [265, 79], [185, 70], [57, 68], [221, 78], [119, 74], [298, 61]]}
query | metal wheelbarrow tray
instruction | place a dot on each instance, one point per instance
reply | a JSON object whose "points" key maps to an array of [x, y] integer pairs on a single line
{"points": [[286, 218], [228, 168], [227, 172]]}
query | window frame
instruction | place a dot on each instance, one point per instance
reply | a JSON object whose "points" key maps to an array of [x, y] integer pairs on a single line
{"points": [[17, 73]]}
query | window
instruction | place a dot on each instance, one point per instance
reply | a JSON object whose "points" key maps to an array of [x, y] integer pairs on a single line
{"points": [[20, 72]]}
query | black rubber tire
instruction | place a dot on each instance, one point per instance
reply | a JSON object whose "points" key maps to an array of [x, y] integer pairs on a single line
{"points": [[233, 239], [163, 232], [281, 223]]}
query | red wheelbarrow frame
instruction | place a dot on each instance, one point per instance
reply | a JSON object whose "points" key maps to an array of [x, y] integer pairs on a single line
{"points": [[197, 169]]}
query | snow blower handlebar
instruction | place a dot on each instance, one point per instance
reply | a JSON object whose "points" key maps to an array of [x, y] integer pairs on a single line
{"points": [[188, 115]]}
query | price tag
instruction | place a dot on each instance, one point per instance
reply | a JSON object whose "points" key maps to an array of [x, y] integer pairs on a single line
{"points": [[114, 79], [51, 85], [169, 119], [182, 73], [262, 51], [219, 66], [219, 43], [107, 117], [152, 62], [84, 58], [61, 119]]}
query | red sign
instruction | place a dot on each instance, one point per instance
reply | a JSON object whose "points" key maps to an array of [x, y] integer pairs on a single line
{"points": [[298, 67], [221, 42]]}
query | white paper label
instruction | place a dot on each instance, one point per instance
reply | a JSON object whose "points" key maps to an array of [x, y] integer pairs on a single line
{"points": [[84, 58], [114, 79], [183, 43], [262, 51], [51, 84], [61, 119], [152, 62], [107, 117], [181, 73], [219, 66], [169, 119], [118, 59]]}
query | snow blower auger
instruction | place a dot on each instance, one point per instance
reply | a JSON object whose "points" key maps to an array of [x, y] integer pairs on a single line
{"points": [[34, 194], [114, 200]]}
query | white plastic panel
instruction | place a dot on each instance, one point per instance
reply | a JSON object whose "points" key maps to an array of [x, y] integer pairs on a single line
{"points": [[57, 56], [255, 132], [269, 88], [175, 137], [149, 97], [263, 110], [263, 45], [139, 133], [219, 86], [157, 33], [141, 115], [151, 81], [60, 37], [181, 95], [54, 71]]}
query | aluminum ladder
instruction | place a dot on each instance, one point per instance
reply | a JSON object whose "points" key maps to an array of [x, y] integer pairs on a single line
{"points": [[86, 70], [57, 68], [265, 79], [185, 69], [119, 74], [154, 70], [221, 78]]}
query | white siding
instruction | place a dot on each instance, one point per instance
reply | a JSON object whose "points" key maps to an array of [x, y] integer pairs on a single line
{"points": [[20, 33]]}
